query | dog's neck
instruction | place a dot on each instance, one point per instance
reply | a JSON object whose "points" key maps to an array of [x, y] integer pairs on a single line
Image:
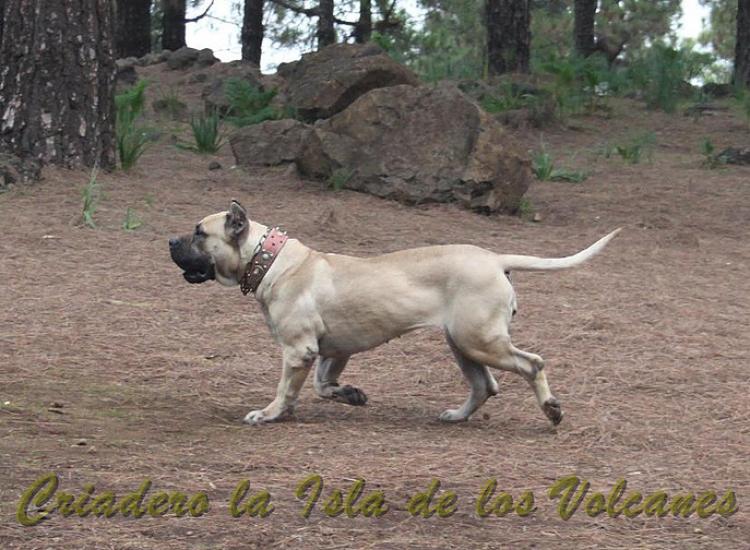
{"points": [[253, 245]]}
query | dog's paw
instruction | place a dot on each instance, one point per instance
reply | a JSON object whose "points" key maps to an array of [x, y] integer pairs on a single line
{"points": [[553, 410], [453, 415], [255, 417], [350, 395]]}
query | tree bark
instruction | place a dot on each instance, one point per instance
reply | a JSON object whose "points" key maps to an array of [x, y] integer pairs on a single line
{"points": [[252, 31], [363, 30], [2, 16], [742, 46], [508, 36], [583, 27], [173, 24], [57, 82], [326, 33], [132, 28]]}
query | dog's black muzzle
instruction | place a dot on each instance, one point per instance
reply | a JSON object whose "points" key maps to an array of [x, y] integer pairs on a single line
{"points": [[197, 266]]}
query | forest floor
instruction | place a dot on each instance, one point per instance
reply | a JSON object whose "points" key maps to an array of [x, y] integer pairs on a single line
{"points": [[113, 370]]}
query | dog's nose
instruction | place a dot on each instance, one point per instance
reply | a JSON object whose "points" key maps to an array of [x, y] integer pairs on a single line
{"points": [[173, 243]]}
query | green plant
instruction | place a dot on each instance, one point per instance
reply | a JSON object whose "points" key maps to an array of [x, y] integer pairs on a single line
{"points": [[636, 148], [206, 132], [131, 138], [525, 208], [249, 105], [544, 169], [131, 221], [171, 104], [90, 195], [711, 159], [339, 178]]}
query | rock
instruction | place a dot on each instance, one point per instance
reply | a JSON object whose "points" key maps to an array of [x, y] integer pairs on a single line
{"points": [[399, 143], [197, 78], [183, 58], [717, 90], [326, 82], [206, 58], [172, 107], [214, 165], [734, 155], [213, 94], [15, 170], [163, 56], [270, 143], [126, 74]]}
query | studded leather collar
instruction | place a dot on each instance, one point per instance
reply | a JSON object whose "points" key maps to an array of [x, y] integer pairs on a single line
{"points": [[261, 262]]}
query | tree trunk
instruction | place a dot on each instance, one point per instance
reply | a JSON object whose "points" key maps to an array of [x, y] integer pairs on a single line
{"points": [[583, 27], [742, 47], [132, 28], [508, 36], [57, 82], [173, 24], [252, 31], [2, 16], [326, 33], [363, 30]]}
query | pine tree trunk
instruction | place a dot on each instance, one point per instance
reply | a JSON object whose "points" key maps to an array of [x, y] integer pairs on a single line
{"points": [[326, 33], [583, 27], [508, 36], [57, 82], [133, 28], [252, 31], [742, 47], [173, 24], [363, 30], [2, 16]]}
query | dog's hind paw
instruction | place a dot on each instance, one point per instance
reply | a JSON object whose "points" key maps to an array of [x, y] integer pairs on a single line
{"points": [[553, 410], [350, 395], [453, 415]]}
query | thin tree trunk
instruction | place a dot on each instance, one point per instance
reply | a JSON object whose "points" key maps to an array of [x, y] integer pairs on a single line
{"points": [[252, 31], [363, 30], [583, 27], [508, 36], [133, 28], [2, 16], [173, 24], [742, 47], [326, 33], [57, 82]]}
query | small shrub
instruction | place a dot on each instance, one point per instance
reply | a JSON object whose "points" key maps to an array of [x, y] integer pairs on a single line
{"points": [[525, 208], [206, 132], [544, 169], [249, 105], [131, 138], [711, 159], [90, 195], [171, 104], [132, 221], [637, 148], [339, 178]]}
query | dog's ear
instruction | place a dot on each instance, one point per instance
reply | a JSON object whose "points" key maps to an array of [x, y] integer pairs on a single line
{"points": [[237, 223]]}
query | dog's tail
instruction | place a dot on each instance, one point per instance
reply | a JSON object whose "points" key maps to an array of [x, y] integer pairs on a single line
{"points": [[512, 262]]}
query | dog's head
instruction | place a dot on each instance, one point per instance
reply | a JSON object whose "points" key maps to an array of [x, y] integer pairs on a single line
{"points": [[213, 250]]}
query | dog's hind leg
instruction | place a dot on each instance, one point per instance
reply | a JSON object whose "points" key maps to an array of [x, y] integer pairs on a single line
{"points": [[327, 382], [496, 351], [483, 385]]}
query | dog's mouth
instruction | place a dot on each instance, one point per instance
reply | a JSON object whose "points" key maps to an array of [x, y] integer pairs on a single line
{"points": [[197, 266], [197, 277]]}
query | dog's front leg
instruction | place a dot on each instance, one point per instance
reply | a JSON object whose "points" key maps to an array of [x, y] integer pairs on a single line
{"points": [[297, 363]]}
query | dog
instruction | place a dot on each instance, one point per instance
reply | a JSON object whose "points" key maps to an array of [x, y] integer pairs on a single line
{"points": [[331, 306]]}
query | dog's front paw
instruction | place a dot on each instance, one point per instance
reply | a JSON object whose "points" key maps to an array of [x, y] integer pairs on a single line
{"points": [[553, 410], [453, 415], [351, 395], [255, 417]]}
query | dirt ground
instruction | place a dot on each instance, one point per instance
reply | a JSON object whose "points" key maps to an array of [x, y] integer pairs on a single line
{"points": [[114, 370]]}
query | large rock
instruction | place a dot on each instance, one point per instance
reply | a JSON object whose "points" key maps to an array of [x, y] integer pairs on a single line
{"points": [[183, 58], [419, 145], [213, 94], [326, 82], [270, 143]]}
